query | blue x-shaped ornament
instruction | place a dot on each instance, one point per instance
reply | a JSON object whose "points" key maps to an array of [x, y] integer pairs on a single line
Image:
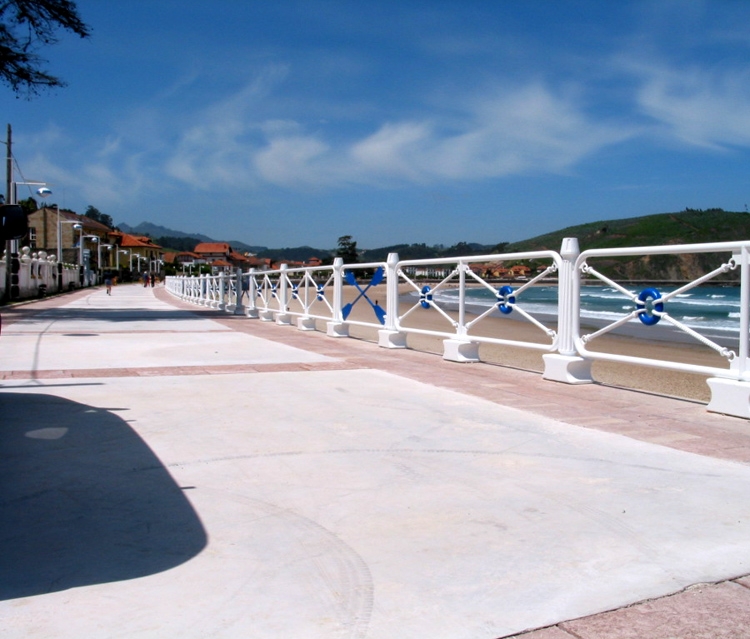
{"points": [[377, 277]]}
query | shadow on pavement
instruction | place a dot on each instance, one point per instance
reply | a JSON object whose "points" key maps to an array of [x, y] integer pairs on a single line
{"points": [[99, 314], [83, 500]]}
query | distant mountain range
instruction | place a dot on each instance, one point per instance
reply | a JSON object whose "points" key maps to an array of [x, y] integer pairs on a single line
{"points": [[155, 231], [691, 226], [181, 241]]}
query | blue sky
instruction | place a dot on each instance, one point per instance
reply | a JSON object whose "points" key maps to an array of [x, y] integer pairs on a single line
{"points": [[295, 122]]}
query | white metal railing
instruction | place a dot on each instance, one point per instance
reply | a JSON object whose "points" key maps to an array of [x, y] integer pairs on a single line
{"points": [[458, 279], [345, 295], [650, 306]]}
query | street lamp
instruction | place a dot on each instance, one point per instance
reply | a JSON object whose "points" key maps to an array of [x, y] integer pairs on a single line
{"points": [[75, 224], [117, 257], [141, 257], [45, 192], [14, 190], [81, 237], [93, 238], [99, 254]]}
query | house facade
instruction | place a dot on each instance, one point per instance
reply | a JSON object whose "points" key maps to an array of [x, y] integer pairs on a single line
{"points": [[221, 256], [137, 253], [43, 229]]}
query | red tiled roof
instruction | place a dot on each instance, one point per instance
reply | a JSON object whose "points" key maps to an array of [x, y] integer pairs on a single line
{"points": [[238, 257], [89, 225], [134, 241], [258, 261], [213, 247]]}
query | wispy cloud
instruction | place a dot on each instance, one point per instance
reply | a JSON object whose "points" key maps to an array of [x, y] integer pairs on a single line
{"points": [[708, 107], [526, 129]]}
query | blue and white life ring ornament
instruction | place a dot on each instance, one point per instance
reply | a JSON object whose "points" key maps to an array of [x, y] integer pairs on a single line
{"points": [[425, 297], [505, 299], [647, 314]]}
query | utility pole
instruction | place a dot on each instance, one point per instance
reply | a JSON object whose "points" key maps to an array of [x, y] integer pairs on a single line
{"points": [[8, 185], [8, 166]]}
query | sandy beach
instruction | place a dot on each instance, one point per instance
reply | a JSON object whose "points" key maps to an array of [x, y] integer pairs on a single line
{"points": [[656, 380]]}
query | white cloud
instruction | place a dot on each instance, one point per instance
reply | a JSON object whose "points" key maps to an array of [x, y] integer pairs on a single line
{"points": [[396, 150], [528, 129], [293, 159], [525, 129], [703, 107]]}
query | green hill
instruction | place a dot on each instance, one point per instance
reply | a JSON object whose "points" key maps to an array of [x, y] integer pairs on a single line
{"points": [[687, 227], [690, 226]]}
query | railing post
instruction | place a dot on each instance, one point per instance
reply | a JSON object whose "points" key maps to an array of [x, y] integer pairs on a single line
{"points": [[337, 327], [204, 289], [220, 302], [238, 291], [732, 396], [282, 317], [252, 294], [390, 337], [305, 323], [461, 348], [566, 365]]}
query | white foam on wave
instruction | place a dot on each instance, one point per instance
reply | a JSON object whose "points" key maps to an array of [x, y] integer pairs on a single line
{"points": [[710, 311]]}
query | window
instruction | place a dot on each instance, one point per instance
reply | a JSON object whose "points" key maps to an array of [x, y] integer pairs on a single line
{"points": [[32, 237]]}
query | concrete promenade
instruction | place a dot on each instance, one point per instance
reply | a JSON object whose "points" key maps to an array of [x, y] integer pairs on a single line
{"points": [[172, 471]]}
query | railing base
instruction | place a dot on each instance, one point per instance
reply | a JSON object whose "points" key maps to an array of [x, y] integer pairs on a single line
{"points": [[238, 309], [337, 329], [391, 339], [252, 313], [306, 323], [456, 350], [729, 397], [283, 319], [568, 369], [267, 316]]}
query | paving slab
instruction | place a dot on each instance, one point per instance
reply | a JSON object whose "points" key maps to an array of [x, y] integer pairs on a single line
{"points": [[700, 612], [389, 508], [132, 329], [335, 503]]}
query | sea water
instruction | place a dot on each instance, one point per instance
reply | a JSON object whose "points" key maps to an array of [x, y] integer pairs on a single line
{"points": [[709, 310]]}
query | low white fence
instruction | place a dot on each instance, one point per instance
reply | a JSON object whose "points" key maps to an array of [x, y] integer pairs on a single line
{"points": [[394, 298], [36, 274]]}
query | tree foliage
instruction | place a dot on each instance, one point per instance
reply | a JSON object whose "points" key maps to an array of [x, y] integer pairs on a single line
{"points": [[347, 249], [25, 27], [29, 205], [96, 215]]}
